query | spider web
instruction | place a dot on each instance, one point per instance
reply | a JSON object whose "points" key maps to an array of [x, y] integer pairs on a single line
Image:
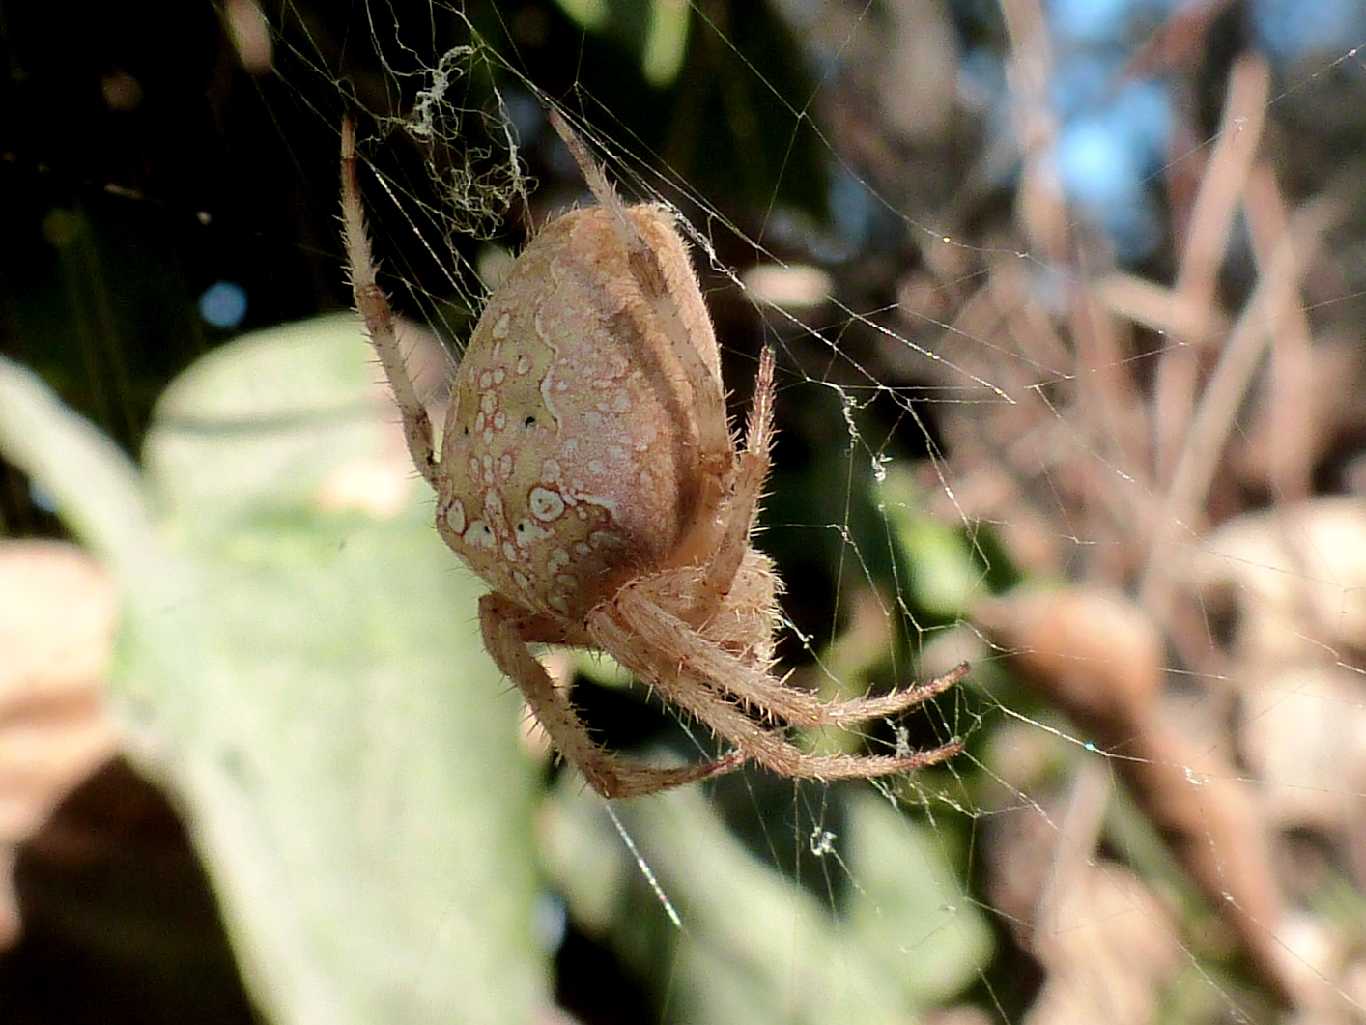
{"points": [[1070, 435], [1081, 417]]}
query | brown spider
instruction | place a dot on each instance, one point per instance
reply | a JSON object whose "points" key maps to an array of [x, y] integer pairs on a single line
{"points": [[587, 472]]}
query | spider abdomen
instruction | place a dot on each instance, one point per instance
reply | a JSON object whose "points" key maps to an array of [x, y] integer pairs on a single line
{"points": [[570, 449]]}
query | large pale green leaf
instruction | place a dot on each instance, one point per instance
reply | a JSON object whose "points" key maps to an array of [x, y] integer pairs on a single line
{"points": [[753, 946], [301, 667]]}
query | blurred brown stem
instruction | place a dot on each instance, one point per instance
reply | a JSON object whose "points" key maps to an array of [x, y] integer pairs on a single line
{"points": [[1215, 418], [1240, 132], [1096, 657]]}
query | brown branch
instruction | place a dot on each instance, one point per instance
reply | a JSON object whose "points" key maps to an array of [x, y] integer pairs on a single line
{"points": [[1098, 658], [1240, 132], [1214, 420]]}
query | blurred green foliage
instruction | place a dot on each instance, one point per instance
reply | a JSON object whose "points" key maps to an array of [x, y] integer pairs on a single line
{"points": [[657, 31], [751, 947], [309, 685]]}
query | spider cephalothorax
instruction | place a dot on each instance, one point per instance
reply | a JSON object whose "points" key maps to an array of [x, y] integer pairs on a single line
{"points": [[587, 472]]}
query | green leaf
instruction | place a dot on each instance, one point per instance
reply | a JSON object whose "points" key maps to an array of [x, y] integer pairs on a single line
{"points": [[944, 577], [753, 946], [301, 667], [912, 915], [666, 41], [587, 14], [96, 489], [657, 31]]}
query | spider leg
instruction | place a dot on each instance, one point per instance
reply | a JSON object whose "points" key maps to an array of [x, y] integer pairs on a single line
{"points": [[736, 521], [610, 775], [672, 638], [716, 452], [766, 746], [374, 309]]}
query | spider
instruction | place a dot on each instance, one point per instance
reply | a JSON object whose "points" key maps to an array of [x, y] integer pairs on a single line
{"points": [[587, 472]]}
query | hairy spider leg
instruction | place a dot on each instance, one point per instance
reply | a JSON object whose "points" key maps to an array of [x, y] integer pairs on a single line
{"points": [[736, 522], [766, 746], [716, 455], [503, 624], [676, 644], [373, 307]]}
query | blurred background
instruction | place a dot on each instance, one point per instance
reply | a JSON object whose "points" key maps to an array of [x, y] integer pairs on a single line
{"points": [[1067, 301]]}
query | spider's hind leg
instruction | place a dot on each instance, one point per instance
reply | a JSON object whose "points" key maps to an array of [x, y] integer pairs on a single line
{"points": [[669, 635], [678, 681], [610, 775]]}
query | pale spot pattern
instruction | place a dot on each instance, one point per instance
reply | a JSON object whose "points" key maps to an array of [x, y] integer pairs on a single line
{"points": [[480, 535], [455, 516], [546, 505]]}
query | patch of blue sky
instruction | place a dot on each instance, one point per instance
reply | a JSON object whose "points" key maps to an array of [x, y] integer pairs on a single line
{"points": [[1083, 80], [1295, 29], [1142, 111], [1090, 21], [1113, 132], [981, 77], [1102, 170], [223, 305], [851, 208], [1092, 85], [1097, 165], [1113, 135]]}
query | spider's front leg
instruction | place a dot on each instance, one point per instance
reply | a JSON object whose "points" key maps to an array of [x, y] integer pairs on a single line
{"points": [[374, 309], [506, 634], [715, 452]]}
